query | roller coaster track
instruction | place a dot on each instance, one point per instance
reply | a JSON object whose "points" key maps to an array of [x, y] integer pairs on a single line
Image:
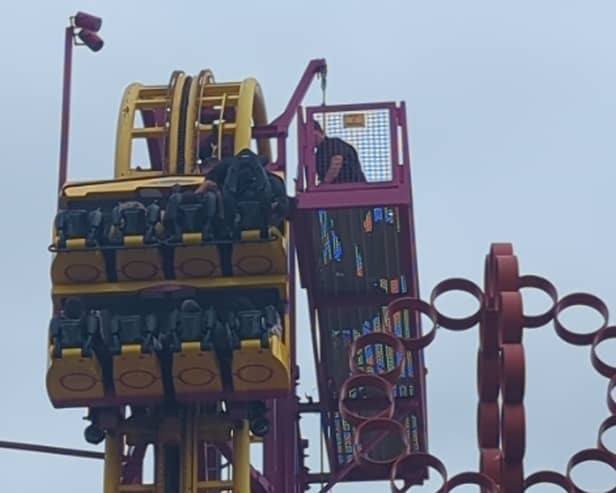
{"points": [[178, 116]]}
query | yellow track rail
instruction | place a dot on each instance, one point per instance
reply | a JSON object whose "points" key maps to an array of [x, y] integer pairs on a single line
{"points": [[138, 97], [237, 107]]}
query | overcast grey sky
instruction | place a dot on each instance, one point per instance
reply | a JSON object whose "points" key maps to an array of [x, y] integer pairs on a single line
{"points": [[511, 116]]}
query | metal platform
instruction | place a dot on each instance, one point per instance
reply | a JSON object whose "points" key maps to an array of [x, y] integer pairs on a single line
{"points": [[355, 258]]}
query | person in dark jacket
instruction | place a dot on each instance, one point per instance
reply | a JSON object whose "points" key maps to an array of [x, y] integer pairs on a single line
{"points": [[337, 161]]}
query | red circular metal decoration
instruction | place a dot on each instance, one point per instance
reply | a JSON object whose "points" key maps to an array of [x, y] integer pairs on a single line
{"points": [[506, 276], [456, 284], [488, 376], [602, 367], [374, 382], [402, 468], [78, 382], [414, 305], [607, 424], [501, 249], [489, 340], [254, 373], [512, 477], [137, 379], [485, 482], [513, 373], [491, 463], [489, 271], [590, 455], [386, 427], [611, 400], [488, 281], [385, 339], [488, 424], [579, 299], [548, 477], [197, 267], [261, 265], [511, 319], [542, 284], [139, 270], [82, 273], [196, 376], [513, 432]]}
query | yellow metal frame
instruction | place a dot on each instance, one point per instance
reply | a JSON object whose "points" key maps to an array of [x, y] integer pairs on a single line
{"points": [[250, 111], [134, 98], [278, 282], [193, 430]]}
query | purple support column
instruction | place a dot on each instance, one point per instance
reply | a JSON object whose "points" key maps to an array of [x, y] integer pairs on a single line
{"points": [[66, 103]]}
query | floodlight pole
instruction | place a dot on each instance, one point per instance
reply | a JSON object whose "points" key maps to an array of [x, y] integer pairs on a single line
{"points": [[89, 24], [66, 104]]}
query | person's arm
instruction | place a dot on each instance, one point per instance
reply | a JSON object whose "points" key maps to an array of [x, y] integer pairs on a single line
{"points": [[335, 165], [207, 186], [357, 174]]}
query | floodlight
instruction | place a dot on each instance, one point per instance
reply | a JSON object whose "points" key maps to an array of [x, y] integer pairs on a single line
{"points": [[90, 39], [87, 21]]}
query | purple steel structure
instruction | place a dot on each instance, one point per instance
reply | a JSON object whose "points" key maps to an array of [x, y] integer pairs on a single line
{"points": [[85, 27], [357, 254]]}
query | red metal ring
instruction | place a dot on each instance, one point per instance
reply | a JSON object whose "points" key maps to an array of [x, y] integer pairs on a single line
{"points": [[367, 380], [457, 284], [376, 424], [506, 274], [512, 477], [513, 431], [487, 484], [491, 463], [606, 425], [386, 339], [583, 299], [611, 401], [489, 340], [511, 317], [414, 305], [513, 373], [596, 455], [606, 370], [488, 376], [501, 249], [488, 424], [488, 281], [413, 462], [550, 477], [542, 284]]}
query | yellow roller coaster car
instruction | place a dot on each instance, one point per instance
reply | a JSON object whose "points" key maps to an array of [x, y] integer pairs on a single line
{"points": [[164, 291]]}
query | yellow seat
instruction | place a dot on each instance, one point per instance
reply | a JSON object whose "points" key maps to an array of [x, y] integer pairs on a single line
{"points": [[78, 264], [195, 371], [138, 262], [193, 259], [253, 257], [257, 369], [74, 380], [137, 374]]}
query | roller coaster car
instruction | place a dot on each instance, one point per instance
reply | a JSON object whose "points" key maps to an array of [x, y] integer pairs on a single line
{"points": [[75, 375], [115, 239], [239, 348]]}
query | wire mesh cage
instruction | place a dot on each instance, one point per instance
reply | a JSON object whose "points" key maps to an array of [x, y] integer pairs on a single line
{"points": [[365, 133]]}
